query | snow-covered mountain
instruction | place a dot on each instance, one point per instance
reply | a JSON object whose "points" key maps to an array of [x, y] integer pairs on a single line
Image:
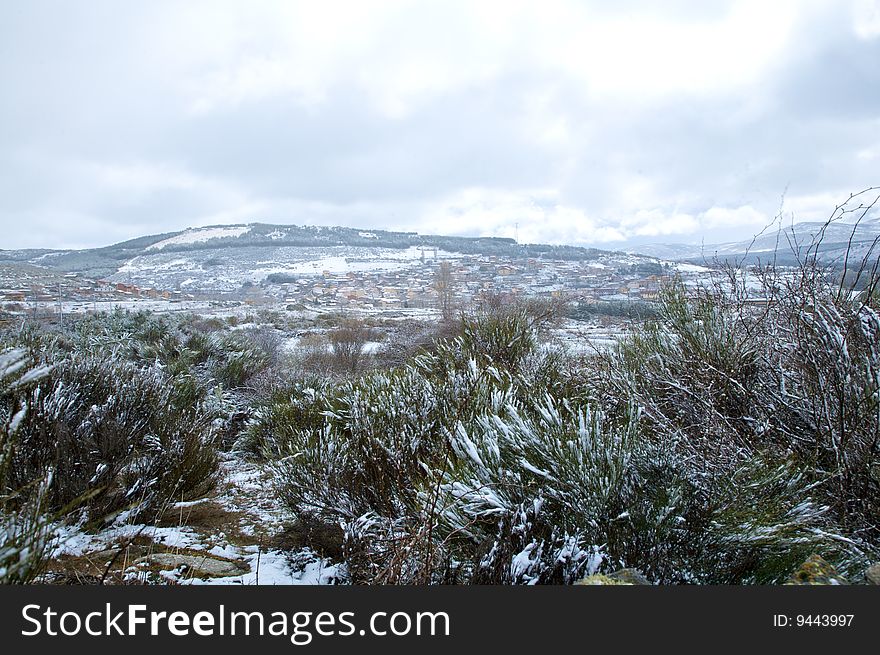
{"points": [[223, 257], [784, 245]]}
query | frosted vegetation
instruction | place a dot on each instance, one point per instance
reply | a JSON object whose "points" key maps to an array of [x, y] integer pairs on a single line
{"points": [[722, 440]]}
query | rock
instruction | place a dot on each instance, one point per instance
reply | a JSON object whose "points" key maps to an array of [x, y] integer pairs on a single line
{"points": [[873, 573], [630, 576], [196, 566], [599, 579], [816, 571]]}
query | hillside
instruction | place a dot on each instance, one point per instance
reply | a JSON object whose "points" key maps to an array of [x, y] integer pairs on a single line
{"points": [[784, 245], [222, 258]]}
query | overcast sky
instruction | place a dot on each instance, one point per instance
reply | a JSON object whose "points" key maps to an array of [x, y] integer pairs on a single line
{"points": [[580, 122]]}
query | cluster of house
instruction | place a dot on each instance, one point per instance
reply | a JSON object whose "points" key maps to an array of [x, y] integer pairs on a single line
{"points": [[71, 287], [471, 278]]}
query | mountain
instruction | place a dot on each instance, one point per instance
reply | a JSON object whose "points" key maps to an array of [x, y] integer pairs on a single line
{"points": [[784, 246], [223, 257]]}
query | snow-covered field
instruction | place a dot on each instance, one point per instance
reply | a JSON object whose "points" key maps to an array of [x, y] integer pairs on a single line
{"points": [[134, 304], [200, 235], [585, 339], [226, 269]]}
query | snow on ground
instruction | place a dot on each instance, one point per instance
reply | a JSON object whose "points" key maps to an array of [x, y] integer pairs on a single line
{"points": [[74, 542], [134, 304], [270, 568], [137, 265], [251, 492], [691, 268], [199, 235], [587, 339], [248, 496], [379, 260]]}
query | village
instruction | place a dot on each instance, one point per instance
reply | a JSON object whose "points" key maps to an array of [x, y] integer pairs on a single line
{"points": [[469, 279]]}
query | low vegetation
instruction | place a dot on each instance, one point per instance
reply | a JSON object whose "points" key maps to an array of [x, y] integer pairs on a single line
{"points": [[723, 441], [731, 434]]}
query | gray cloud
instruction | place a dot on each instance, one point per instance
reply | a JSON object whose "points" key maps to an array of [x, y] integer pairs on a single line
{"points": [[578, 122]]}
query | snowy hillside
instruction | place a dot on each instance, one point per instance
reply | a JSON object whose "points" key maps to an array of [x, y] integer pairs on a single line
{"points": [[785, 245]]}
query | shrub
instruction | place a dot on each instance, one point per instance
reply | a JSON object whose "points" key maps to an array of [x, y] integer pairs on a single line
{"points": [[113, 436], [375, 464], [781, 396], [24, 526], [235, 358], [347, 344]]}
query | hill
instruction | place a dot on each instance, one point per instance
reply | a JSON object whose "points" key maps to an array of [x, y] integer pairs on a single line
{"points": [[784, 246]]}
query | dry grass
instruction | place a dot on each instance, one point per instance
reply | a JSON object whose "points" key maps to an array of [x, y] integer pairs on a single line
{"points": [[209, 517]]}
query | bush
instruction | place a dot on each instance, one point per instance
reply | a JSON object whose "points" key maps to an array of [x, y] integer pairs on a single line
{"points": [[376, 461], [113, 437], [234, 359], [780, 396], [24, 526]]}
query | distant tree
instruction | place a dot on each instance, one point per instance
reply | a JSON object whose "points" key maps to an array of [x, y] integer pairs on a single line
{"points": [[444, 285]]}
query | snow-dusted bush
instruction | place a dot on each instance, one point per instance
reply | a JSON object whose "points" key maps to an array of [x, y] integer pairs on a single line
{"points": [[24, 527], [234, 359], [387, 455], [722, 442], [504, 337], [822, 393], [282, 414], [774, 407], [530, 494], [378, 437], [114, 436]]}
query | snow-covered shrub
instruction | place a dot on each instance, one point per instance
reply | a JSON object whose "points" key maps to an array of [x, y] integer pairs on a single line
{"points": [[822, 393], [504, 336], [378, 438], [113, 435], [693, 371], [24, 526], [530, 495], [282, 414], [378, 463], [235, 358], [773, 406]]}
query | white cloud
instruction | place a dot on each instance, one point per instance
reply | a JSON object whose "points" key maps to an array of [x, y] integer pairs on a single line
{"points": [[403, 53], [745, 216], [656, 223], [566, 121], [866, 18]]}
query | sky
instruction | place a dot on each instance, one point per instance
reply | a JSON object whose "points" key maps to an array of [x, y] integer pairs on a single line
{"points": [[551, 121]]}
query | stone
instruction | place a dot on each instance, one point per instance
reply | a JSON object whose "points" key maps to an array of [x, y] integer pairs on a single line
{"points": [[816, 571], [196, 566], [599, 579], [630, 576], [873, 573]]}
